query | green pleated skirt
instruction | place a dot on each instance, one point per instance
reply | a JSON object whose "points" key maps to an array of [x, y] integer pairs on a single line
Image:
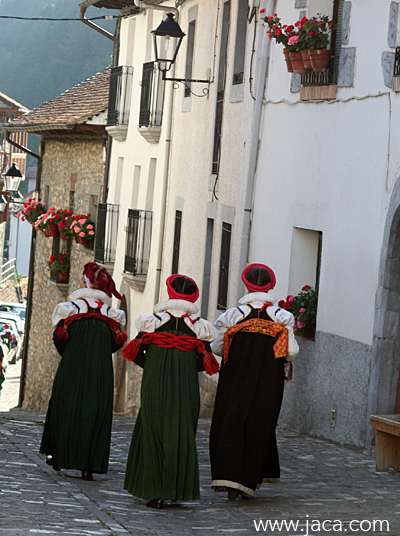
{"points": [[77, 430], [162, 461]]}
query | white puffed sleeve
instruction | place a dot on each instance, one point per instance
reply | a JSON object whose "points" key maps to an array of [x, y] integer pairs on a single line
{"points": [[116, 314], [62, 311], [228, 319], [280, 315], [293, 347], [203, 329], [149, 323]]}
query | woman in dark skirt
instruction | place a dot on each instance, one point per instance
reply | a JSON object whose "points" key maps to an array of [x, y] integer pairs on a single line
{"points": [[255, 340], [77, 430], [172, 346]]}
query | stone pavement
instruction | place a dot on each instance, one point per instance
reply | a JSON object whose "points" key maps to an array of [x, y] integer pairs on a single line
{"points": [[321, 480]]}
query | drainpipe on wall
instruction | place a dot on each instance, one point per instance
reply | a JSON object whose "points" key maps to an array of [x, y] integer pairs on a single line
{"points": [[255, 135], [31, 275]]}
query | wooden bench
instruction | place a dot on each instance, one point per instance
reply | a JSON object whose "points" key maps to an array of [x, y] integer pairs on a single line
{"points": [[387, 441]]}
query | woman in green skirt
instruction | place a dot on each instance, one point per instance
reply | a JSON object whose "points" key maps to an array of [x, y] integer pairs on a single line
{"points": [[77, 430], [172, 346]]}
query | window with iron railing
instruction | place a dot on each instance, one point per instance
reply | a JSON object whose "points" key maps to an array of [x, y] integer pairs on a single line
{"points": [[138, 240], [224, 266], [106, 232], [330, 76], [120, 95], [152, 96]]}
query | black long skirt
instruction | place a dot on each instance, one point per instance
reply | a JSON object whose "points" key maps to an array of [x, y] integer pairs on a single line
{"points": [[243, 447]]}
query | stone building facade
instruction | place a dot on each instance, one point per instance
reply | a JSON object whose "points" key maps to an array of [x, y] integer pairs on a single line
{"points": [[73, 163], [70, 168]]}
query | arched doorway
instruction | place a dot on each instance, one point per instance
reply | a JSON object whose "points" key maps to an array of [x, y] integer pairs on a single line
{"points": [[385, 366]]}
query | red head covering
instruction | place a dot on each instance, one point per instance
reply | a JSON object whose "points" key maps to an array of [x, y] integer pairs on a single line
{"points": [[100, 279], [251, 287], [175, 295]]}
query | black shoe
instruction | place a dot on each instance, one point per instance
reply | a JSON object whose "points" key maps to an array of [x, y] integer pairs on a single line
{"points": [[233, 494], [155, 503], [87, 475], [52, 462]]}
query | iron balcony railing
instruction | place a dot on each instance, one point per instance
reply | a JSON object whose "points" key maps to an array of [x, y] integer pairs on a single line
{"points": [[397, 62], [120, 95], [152, 96], [106, 232], [138, 239]]}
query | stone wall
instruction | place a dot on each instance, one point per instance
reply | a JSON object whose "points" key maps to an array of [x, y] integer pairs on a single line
{"points": [[69, 164]]}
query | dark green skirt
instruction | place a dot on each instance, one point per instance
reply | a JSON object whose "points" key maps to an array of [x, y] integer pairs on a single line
{"points": [[77, 430], [162, 460]]}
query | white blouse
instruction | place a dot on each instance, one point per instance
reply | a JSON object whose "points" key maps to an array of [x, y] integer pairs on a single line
{"points": [[78, 305], [255, 300], [203, 329]]}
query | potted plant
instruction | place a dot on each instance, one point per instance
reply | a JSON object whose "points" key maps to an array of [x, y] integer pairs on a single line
{"points": [[83, 228], [60, 266], [64, 220], [317, 38], [304, 309], [32, 211], [280, 34]]}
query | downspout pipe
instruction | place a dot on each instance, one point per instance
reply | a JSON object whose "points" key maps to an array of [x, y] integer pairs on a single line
{"points": [[255, 135], [31, 275]]}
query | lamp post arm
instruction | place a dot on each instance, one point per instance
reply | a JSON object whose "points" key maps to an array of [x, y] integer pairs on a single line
{"points": [[166, 9]]}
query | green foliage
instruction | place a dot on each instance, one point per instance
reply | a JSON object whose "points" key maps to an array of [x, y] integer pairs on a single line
{"points": [[41, 59], [304, 309]]}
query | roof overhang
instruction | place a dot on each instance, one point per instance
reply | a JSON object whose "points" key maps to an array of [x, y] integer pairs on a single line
{"points": [[59, 129]]}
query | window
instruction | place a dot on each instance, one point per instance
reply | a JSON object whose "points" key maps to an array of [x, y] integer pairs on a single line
{"points": [[305, 260], [106, 232], [240, 45], [152, 96], [189, 56], [223, 55], [207, 267], [330, 76], [120, 95], [224, 266], [177, 241], [138, 238]]}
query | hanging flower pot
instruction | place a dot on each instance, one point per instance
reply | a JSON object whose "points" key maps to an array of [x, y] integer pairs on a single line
{"points": [[46, 232], [297, 63], [319, 59], [306, 59], [62, 236], [53, 229], [287, 59], [62, 277], [77, 239], [83, 241]]}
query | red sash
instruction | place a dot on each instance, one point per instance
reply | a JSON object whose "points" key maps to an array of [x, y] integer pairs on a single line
{"points": [[169, 340], [119, 336], [258, 325]]}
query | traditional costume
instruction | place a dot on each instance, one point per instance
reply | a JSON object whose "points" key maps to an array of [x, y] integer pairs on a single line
{"points": [[172, 346], [255, 340], [77, 430]]}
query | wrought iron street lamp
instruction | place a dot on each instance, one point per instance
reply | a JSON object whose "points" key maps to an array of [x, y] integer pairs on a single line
{"points": [[12, 180], [165, 55]]}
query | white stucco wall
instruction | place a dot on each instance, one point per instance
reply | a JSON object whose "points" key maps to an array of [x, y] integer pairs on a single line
{"points": [[324, 166]]}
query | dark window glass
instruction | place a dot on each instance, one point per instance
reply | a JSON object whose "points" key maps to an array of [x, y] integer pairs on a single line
{"points": [[224, 266]]}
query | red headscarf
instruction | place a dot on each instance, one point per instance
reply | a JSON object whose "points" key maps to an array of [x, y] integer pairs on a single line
{"points": [[175, 295], [251, 287], [100, 279]]}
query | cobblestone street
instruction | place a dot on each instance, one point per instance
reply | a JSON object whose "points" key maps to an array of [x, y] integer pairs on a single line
{"points": [[320, 480]]}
